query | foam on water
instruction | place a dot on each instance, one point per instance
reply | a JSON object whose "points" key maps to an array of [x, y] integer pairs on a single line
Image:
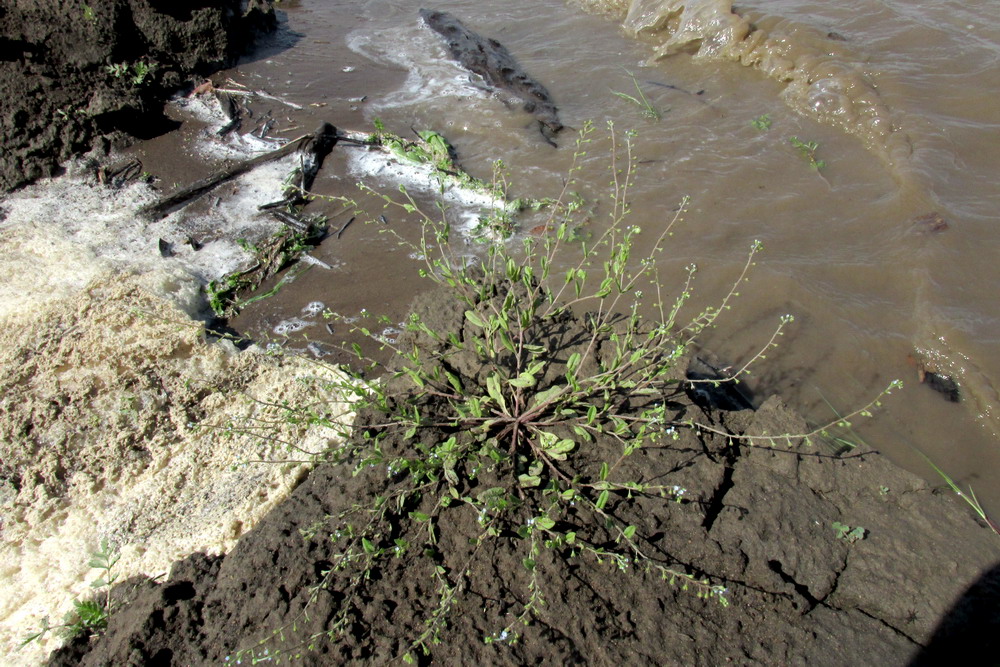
{"points": [[431, 74], [465, 205], [292, 325]]}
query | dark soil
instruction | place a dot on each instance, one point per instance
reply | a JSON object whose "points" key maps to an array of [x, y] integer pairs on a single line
{"points": [[757, 520], [58, 98]]}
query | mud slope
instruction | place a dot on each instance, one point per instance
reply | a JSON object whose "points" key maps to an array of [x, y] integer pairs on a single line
{"points": [[758, 521], [72, 74]]}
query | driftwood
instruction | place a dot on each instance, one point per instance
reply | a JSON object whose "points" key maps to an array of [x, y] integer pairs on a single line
{"points": [[232, 110], [309, 166], [493, 62], [316, 146]]}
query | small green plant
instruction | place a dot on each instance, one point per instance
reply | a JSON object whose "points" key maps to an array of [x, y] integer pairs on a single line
{"points": [[89, 616], [88, 14], [808, 150], [530, 437], [842, 436], [117, 70], [969, 497], [140, 71], [847, 533], [648, 110], [762, 122]]}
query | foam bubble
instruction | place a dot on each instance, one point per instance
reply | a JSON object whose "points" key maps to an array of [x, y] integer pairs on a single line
{"points": [[290, 326], [313, 308]]}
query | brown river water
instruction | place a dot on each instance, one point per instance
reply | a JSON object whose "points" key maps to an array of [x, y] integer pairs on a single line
{"points": [[897, 95]]}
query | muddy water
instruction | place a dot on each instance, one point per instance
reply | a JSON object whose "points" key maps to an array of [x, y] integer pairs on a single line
{"points": [[891, 91]]}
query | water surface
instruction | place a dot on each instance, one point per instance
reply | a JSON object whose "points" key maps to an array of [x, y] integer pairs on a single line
{"points": [[891, 91]]}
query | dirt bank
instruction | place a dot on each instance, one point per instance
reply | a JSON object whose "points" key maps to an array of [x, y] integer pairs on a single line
{"points": [[120, 422], [75, 75], [826, 560]]}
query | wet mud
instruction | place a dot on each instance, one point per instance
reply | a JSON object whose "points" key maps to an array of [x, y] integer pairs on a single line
{"points": [[826, 560], [75, 76]]}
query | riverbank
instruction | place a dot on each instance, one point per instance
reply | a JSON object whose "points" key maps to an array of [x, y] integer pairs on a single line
{"points": [[820, 558]]}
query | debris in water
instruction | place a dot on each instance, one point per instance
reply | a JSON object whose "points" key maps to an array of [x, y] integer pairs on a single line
{"points": [[290, 326], [943, 384], [205, 87], [929, 223], [309, 259], [341, 230], [939, 382], [166, 249], [499, 70], [710, 386], [317, 144], [318, 350]]}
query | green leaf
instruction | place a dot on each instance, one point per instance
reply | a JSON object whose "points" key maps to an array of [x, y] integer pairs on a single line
{"points": [[506, 339], [528, 481], [417, 380], [419, 516], [602, 499], [544, 396], [473, 317], [475, 407], [559, 450], [604, 471], [453, 380], [529, 564], [573, 363], [629, 532], [545, 523], [368, 546], [525, 379], [493, 389]]}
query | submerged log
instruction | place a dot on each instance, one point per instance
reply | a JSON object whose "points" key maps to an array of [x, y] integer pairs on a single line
{"points": [[316, 146], [493, 62]]}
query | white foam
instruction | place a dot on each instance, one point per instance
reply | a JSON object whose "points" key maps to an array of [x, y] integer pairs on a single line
{"points": [[432, 75], [292, 325], [465, 205], [313, 308]]}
